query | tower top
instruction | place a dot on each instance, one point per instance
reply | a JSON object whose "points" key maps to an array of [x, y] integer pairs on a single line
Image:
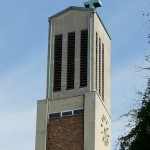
{"points": [[93, 3]]}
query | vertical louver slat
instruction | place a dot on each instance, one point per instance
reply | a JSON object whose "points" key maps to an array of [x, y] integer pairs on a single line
{"points": [[99, 66], [103, 72], [71, 60], [96, 61], [57, 63], [83, 58]]}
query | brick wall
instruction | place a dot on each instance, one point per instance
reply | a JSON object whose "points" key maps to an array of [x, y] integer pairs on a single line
{"points": [[65, 133]]}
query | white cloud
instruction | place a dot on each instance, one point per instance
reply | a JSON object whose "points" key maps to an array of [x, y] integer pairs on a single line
{"points": [[23, 83], [21, 86], [17, 130], [118, 130], [125, 81]]}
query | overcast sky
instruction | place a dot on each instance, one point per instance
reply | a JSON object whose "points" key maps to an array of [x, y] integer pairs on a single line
{"points": [[23, 60]]}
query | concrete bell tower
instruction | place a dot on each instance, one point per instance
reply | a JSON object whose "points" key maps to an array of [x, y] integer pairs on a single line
{"points": [[76, 112]]}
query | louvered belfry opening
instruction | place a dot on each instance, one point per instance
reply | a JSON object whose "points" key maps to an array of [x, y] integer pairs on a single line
{"points": [[83, 58], [57, 63], [103, 72], [99, 66], [71, 60], [96, 83]]}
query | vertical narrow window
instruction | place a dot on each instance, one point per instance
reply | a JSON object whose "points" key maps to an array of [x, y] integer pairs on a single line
{"points": [[96, 61], [83, 58], [57, 63], [103, 72], [99, 66], [71, 60]]}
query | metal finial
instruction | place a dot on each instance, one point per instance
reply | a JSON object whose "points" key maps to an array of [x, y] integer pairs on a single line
{"points": [[93, 4]]}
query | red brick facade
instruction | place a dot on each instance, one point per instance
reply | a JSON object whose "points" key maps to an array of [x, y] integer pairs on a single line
{"points": [[65, 133]]}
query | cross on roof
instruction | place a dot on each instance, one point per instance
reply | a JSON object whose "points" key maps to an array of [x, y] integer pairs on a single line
{"points": [[93, 4]]}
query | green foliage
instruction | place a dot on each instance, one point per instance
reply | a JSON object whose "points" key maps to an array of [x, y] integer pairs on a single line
{"points": [[138, 138], [138, 135]]}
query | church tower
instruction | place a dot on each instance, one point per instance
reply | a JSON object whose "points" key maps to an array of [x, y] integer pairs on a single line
{"points": [[76, 112]]}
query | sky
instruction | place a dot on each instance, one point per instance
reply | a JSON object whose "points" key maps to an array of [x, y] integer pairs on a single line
{"points": [[23, 61]]}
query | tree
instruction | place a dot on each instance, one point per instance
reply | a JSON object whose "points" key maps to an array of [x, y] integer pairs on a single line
{"points": [[138, 138], [138, 135], [147, 22]]}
